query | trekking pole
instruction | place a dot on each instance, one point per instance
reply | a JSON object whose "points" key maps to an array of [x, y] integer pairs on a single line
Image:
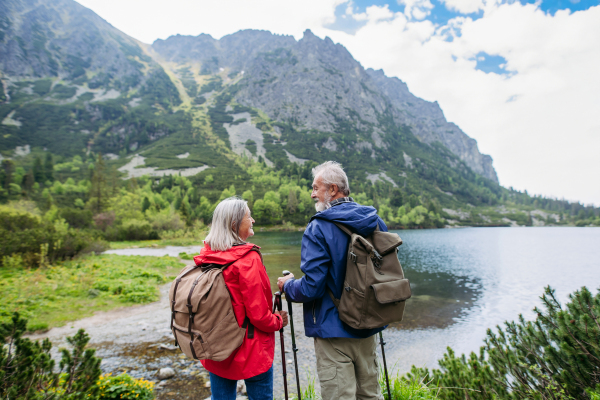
{"points": [[387, 381], [294, 348], [277, 305]]}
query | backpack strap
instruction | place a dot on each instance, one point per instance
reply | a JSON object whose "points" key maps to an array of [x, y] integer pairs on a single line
{"points": [[336, 302], [248, 324], [344, 228]]}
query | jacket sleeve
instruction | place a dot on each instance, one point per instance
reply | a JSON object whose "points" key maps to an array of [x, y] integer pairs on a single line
{"points": [[316, 261], [258, 308]]}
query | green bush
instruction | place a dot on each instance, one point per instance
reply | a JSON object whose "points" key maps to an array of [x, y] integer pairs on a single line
{"points": [[557, 356], [27, 370], [124, 387], [135, 229]]}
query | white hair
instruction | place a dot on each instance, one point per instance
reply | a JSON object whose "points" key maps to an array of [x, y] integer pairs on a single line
{"points": [[331, 173], [225, 227]]}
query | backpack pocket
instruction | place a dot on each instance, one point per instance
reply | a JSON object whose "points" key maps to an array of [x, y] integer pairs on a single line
{"points": [[392, 292], [195, 348], [351, 306]]}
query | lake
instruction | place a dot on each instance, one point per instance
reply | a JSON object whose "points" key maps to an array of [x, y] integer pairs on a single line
{"points": [[464, 281]]}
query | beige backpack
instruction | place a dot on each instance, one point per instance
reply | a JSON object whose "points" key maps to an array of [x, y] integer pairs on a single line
{"points": [[202, 317], [375, 289]]}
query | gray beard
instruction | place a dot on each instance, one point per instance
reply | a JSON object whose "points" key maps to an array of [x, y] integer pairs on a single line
{"points": [[323, 205]]}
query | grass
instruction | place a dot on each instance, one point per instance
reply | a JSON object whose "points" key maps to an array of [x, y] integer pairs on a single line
{"points": [[54, 295], [400, 387], [403, 389]]}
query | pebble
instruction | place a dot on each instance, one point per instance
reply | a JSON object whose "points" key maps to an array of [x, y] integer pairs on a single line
{"points": [[241, 387], [207, 384], [166, 373], [167, 347]]}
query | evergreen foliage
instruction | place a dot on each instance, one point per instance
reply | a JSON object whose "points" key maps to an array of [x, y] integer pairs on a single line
{"points": [[557, 356], [27, 369]]}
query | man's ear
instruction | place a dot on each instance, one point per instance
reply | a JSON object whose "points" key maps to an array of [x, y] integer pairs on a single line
{"points": [[333, 189]]}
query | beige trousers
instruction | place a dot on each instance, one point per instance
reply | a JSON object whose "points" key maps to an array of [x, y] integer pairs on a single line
{"points": [[348, 368]]}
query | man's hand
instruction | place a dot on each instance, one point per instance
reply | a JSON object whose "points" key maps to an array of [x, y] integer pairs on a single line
{"points": [[282, 280], [284, 317]]}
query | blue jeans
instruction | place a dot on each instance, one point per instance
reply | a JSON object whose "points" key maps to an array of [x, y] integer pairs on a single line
{"points": [[259, 387]]}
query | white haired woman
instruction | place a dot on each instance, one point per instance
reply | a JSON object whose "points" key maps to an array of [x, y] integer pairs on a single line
{"points": [[250, 291]]}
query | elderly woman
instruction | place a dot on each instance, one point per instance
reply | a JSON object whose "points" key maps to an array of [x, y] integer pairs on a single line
{"points": [[251, 297]]}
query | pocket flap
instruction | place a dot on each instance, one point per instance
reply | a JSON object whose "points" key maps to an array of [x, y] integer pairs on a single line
{"points": [[385, 242], [327, 373], [391, 292]]}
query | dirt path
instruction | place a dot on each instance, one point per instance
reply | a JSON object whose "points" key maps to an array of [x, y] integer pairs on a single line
{"points": [[137, 340]]}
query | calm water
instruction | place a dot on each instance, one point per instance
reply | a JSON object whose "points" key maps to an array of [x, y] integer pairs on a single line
{"points": [[464, 280]]}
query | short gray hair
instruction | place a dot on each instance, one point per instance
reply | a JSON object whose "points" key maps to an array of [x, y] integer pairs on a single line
{"points": [[225, 227], [331, 173]]}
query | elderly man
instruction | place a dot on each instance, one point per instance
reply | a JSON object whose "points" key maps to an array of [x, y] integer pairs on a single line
{"points": [[346, 357]]}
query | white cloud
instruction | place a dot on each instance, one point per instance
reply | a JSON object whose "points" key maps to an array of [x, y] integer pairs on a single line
{"points": [[416, 9], [545, 139], [148, 20], [464, 6]]}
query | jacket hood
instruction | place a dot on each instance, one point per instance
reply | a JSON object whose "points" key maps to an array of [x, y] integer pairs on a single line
{"points": [[360, 219], [208, 256]]}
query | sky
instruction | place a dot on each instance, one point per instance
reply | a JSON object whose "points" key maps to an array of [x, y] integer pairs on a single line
{"points": [[519, 76]]}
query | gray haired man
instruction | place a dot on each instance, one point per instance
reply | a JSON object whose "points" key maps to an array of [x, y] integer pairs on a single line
{"points": [[346, 357]]}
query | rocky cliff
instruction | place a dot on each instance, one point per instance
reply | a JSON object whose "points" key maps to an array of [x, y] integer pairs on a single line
{"points": [[314, 84]]}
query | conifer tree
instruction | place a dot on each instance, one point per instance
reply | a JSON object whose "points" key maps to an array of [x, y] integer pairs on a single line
{"points": [[49, 168], [27, 369], [38, 171], [99, 192], [557, 356]]}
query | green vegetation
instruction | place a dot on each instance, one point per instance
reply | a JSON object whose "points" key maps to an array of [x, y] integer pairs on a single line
{"points": [[408, 389], [124, 387], [557, 356], [28, 372], [52, 295]]}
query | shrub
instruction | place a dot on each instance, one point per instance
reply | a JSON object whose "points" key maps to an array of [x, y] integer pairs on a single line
{"points": [[27, 369], [555, 356], [124, 387], [135, 229]]}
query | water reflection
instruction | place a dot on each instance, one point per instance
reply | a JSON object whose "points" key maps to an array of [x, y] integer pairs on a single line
{"points": [[464, 281]]}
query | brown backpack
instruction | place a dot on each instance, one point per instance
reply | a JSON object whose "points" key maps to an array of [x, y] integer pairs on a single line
{"points": [[202, 317], [375, 289]]}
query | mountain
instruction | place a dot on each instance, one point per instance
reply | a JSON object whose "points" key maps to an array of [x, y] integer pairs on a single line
{"points": [[315, 84], [73, 85]]}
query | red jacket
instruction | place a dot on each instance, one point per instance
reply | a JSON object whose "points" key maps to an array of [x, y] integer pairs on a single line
{"points": [[251, 296]]}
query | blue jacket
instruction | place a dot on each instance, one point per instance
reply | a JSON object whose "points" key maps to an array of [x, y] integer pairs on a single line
{"points": [[324, 252]]}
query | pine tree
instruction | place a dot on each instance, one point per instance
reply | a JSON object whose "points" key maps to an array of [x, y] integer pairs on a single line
{"points": [[557, 356], [38, 171], [396, 199], [49, 168], [99, 191], [145, 204], [27, 368]]}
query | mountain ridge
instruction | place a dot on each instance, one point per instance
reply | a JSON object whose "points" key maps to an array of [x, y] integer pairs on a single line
{"points": [[251, 93]]}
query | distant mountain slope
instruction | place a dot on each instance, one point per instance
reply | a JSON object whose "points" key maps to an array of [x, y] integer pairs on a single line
{"points": [[72, 84], [314, 84]]}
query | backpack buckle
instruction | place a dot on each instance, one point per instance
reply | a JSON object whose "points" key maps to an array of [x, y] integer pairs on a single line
{"points": [[352, 256]]}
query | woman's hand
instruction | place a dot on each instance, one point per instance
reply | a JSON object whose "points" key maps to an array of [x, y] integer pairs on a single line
{"points": [[284, 317]]}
